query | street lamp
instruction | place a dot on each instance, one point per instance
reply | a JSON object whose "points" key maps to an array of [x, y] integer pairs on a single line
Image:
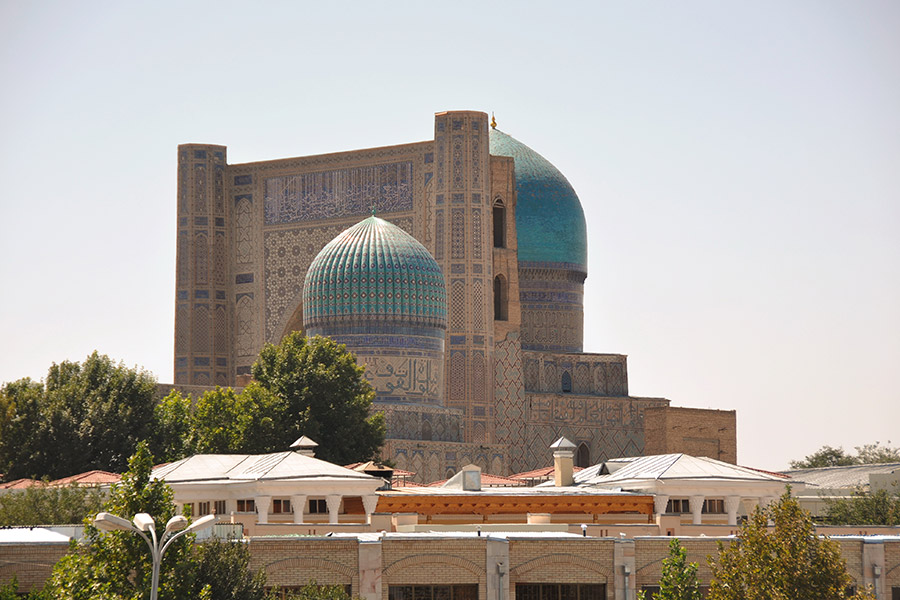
{"points": [[175, 528]]}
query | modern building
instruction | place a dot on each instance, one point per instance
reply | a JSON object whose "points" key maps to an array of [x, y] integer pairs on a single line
{"points": [[453, 267]]}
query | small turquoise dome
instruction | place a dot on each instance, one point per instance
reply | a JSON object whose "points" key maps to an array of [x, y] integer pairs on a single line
{"points": [[550, 222], [374, 271]]}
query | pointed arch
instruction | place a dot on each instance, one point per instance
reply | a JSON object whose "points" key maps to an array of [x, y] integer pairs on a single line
{"points": [[499, 216], [583, 455], [566, 382]]}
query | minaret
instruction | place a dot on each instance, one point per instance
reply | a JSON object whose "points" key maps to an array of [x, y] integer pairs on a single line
{"points": [[463, 250], [202, 348]]}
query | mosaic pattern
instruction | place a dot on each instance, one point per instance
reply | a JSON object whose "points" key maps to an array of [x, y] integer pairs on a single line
{"points": [[422, 423], [374, 268], [244, 325], [610, 427], [339, 193], [200, 333], [243, 229], [598, 375], [201, 259]]}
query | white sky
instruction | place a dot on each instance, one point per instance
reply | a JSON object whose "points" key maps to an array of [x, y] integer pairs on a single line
{"points": [[739, 166]]}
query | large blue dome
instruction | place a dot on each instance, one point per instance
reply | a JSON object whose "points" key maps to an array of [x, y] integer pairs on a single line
{"points": [[550, 223]]}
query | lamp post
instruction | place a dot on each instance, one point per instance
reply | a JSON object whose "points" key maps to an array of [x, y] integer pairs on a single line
{"points": [[175, 528]]}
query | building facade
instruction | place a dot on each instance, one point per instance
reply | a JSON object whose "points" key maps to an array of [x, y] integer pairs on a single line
{"points": [[493, 384]]}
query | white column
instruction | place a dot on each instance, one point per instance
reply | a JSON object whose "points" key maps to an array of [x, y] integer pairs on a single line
{"points": [[262, 508], [369, 504], [660, 502], [298, 503], [333, 501], [732, 503], [750, 504], [765, 501], [697, 509]]}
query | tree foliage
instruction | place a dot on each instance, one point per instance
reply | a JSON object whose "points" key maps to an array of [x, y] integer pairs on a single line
{"points": [[864, 508], [88, 415], [868, 454], [679, 577], [787, 562], [325, 394], [117, 565], [41, 505]]}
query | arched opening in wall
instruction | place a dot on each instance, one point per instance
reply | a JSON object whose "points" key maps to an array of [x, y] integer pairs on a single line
{"points": [[499, 224], [566, 382], [500, 298], [426, 430], [583, 455]]}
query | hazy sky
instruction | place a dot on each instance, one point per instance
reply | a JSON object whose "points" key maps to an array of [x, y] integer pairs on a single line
{"points": [[739, 167]]}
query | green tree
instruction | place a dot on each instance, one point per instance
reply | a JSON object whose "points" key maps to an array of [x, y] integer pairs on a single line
{"points": [[254, 421], [326, 396], [172, 418], [88, 415], [864, 508], [40, 505], [117, 565], [21, 427], [872, 454], [679, 577], [826, 456], [787, 562], [867, 454]]}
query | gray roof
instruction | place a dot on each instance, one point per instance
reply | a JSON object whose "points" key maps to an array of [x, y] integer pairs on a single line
{"points": [[254, 467], [848, 477], [670, 467]]}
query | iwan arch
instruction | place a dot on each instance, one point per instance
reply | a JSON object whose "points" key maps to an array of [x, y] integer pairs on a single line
{"points": [[501, 376]]}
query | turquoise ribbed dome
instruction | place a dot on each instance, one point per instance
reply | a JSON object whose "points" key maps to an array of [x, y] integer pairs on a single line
{"points": [[550, 223], [374, 271]]}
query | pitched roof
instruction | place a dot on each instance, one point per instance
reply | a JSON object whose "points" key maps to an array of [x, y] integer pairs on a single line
{"points": [[253, 467], [849, 476], [94, 477], [670, 467]]}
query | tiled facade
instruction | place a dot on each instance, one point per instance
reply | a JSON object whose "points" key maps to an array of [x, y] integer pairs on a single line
{"points": [[514, 377]]}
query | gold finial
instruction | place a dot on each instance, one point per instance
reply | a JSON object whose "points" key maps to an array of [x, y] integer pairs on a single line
{"points": [[493, 121]]}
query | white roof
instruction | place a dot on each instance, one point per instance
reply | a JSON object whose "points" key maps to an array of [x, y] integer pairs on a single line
{"points": [[278, 466], [670, 467], [31, 535]]}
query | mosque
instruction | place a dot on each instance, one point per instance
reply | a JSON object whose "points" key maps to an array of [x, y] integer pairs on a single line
{"points": [[453, 268]]}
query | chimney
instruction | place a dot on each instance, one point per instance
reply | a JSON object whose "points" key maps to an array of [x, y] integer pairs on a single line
{"points": [[305, 446], [563, 462]]}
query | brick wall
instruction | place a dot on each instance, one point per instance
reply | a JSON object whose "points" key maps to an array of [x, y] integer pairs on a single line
{"points": [[588, 560], [694, 431], [31, 564]]}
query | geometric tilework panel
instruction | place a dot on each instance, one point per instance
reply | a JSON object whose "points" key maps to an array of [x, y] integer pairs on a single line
{"points": [[610, 427], [245, 315], [201, 260], [200, 334], [509, 399], [414, 379], [243, 223], [339, 193]]}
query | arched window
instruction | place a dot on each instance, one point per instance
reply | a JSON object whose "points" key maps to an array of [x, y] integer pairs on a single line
{"points": [[583, 455], [426, 430], [499, 224], [566, 383], [500, 298]]}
